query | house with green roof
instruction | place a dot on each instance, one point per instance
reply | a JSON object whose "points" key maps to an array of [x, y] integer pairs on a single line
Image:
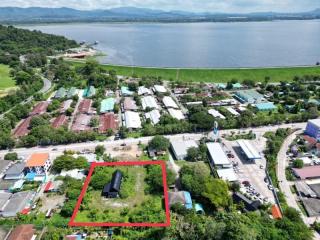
{"points": [[72, 91], [61, 93], [89, 92], [107, 105], [266, 106], [237, 86], [125, 91]]}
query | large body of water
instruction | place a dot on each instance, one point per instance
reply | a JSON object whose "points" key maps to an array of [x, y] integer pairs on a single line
{"points": [[206, 45]]}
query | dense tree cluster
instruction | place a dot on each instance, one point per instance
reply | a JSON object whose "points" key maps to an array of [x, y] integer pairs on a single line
{"points": [[68, 162], [15, 42]]}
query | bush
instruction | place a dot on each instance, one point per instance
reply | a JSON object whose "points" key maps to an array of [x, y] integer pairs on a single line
{"points": [[298, 163], [11, 156]]}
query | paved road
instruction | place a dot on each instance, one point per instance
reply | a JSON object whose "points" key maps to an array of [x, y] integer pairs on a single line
{"points": [[281, 171], [46, 86], [284, 184]]}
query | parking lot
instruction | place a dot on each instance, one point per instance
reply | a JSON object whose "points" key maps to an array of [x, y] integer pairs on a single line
{"points": [[251, 173]]}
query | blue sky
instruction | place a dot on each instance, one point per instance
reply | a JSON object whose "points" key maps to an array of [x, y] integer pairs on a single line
{"points": [[185, 5]]}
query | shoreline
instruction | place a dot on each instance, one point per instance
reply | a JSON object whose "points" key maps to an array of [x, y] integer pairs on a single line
{"points": [[195, 68]]}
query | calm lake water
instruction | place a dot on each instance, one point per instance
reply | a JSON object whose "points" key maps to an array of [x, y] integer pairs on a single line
{"points": [[219, 45]]}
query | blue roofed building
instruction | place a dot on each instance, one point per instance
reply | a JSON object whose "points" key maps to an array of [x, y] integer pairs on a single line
{"points": [[249, 96], [266, 106], [61, 93], [89, 92], [107, 105], [125, 91], [237, 86], [182, 197]]}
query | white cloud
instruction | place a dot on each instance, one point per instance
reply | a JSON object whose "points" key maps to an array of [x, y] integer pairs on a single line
{"points": [[186, 5]]}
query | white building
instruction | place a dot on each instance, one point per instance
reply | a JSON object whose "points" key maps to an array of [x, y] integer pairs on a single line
{"points": [[154, 116], [149, 102], [232, 111], [178, 114], [132, 120], [142, 90], [250, 152], [169, 102], [216, 114], [38, 163], [218, 156], [180, 148], [159, 89], [227, 174]]}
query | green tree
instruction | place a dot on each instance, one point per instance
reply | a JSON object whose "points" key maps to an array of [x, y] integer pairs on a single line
{"points": [[11, 156], [216, 191], [99, 150], [159, 143], [298, 163]]}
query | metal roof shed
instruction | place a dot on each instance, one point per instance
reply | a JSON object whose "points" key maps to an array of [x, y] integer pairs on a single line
{"points": [[132, 120], [248, 150], [169, 103], [180, 148], [218, 156], [112, 189]]}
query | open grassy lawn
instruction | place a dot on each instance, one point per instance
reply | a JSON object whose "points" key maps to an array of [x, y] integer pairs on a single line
{"points": [[5, 80], [216, 75], [137, 204]]}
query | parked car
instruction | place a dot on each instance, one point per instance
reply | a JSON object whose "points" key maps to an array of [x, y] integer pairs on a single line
{"points": [[246, 183]]}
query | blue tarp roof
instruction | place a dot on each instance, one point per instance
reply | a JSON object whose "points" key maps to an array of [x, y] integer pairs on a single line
{"points": [[188, 200], [30, 176], [198, 207]]}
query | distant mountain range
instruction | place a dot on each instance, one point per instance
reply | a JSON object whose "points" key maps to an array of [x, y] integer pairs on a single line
{"points": [[132, 14]]}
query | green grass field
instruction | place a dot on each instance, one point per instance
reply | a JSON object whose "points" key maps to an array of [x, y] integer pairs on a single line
{"points": [[123, 209], [217, 75], [5, 80]]}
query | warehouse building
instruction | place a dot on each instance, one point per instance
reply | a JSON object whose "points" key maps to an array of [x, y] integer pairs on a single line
{"points": [[313, 129], [180, 148], [132, 120], [169, 103], [217, 156], [248, 150], [149, 102], [249, 96], [154, 116], [216, 114], [177, 114], [107, 105]]}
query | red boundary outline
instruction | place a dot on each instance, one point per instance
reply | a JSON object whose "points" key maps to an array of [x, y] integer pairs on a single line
{"points": [[72, 223]]}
